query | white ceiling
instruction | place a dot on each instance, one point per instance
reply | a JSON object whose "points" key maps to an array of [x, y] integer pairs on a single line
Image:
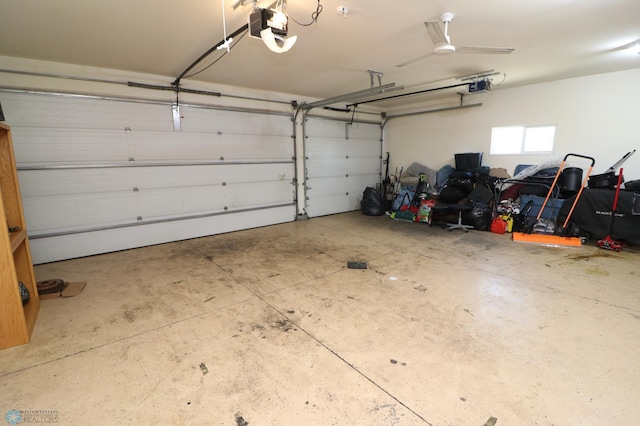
{"points": [[553, 39]]}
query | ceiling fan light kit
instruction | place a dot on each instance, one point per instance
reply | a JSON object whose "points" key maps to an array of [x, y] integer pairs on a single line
{"points": [[444, 49]]}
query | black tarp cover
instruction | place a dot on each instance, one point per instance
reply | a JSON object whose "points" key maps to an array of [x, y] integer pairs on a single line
{"points": [[593, 212]]}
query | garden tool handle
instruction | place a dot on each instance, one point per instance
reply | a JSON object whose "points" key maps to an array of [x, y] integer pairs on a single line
{"points": [[582, 187], [593, 162]]}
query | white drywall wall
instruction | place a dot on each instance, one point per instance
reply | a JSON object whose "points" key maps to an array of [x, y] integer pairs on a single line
{"points": [[596, 116]]}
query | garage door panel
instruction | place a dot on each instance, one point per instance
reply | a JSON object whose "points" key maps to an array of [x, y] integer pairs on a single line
{"points": [[72, 146], [328, 167], [325, 205], [200, 200], [318, 128], [186, 176], [84, 113], [339, 186], [183, 146], [334, 129], [332, 203], [74, 212], [366, 165], [107, 168], [343, 149], [202, 120], [155, 204], [339, 169], [258, 194], [89, 243], [57, 182], [62, 213], [368, 148], [358, 183], [323, 147], [367, 132], [51, 146]]}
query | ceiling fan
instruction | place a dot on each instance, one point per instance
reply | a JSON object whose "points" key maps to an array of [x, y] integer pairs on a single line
{"points": [[443, 46]]}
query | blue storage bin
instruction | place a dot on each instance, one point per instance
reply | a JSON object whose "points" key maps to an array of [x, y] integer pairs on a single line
{"points": [[551, 210]]}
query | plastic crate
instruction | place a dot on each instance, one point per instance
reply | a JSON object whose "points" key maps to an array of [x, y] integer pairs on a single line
{"points": [[551, 210]]}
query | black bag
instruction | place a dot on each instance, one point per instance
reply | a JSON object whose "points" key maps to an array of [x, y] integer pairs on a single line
{"points": [[372, 203], [456, 188], [521, 221], [451, 194], [481, 216]]}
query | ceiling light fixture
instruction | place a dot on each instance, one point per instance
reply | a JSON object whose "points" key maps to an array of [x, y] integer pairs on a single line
{"points": [[271, 25]]}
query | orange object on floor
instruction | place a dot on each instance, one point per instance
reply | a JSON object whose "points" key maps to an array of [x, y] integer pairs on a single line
{"points": [[549, 240]]}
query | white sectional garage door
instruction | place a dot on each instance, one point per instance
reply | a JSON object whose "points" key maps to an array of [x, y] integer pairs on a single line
{"points": [[342, 159], [100, 175]]}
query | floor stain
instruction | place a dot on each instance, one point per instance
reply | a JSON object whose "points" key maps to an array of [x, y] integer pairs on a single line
{"points": [[283, 324], [597, 271], [587, 257], [258, 327], [392, 417], [204, 369], [491, 422], [133, 313], [240, 421]]}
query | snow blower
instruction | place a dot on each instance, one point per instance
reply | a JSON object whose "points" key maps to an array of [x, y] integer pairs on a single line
{"points": [[557, 240], [607, 242]]}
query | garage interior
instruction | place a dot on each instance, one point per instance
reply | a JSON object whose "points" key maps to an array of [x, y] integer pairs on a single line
{"points": [[206, 187]]}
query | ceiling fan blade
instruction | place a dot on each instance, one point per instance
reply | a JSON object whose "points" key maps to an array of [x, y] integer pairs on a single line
{"points": [[413, 61], [435, 33], [485, 50]]}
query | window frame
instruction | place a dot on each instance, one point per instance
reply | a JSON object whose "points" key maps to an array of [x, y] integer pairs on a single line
{"points": [[523, 139]]}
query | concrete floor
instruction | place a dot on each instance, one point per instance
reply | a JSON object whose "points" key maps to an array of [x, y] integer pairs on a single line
{"points": [[269, 327]]}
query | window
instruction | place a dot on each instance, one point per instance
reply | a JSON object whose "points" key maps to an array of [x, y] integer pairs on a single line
{"points": [[522, 139]]}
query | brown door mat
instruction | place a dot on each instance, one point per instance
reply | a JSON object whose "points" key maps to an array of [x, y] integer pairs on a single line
{"points": [[67, 289]]}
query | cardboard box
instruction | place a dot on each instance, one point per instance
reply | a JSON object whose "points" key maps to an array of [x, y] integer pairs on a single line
{"points": [[69, 290]]}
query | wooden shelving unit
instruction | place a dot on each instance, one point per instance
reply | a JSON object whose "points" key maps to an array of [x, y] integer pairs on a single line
{"points": [[16, 320]]}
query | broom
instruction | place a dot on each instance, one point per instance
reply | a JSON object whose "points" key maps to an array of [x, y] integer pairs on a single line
{"points": [[557, 240]]}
